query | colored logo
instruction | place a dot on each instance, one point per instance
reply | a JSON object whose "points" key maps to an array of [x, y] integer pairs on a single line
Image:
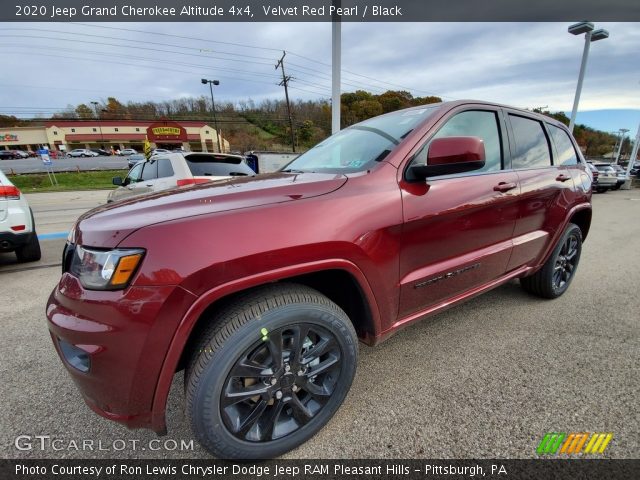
{"points": [[166, 131], [573, 443], [8, 137]]}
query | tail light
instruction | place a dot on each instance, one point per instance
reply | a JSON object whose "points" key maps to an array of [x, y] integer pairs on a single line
{"points": [[191, 181], [9, 193]]}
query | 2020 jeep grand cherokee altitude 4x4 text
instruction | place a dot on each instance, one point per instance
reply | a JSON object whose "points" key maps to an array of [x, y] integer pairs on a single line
{"points": [[260, 287]]}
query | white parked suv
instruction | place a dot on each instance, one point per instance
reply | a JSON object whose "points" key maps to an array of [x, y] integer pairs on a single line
{"points": [[17, 228], [82, 152], [161, 172]]}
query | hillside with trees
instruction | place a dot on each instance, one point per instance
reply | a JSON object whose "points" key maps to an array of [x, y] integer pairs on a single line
{"points": [[248, 125]]}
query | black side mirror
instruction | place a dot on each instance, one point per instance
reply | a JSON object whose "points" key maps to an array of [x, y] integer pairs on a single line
{"points": [[450, 155], [117, 181]]}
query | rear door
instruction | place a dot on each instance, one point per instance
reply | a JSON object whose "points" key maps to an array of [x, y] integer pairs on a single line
{"points": [[546, 188], [457, 228]]}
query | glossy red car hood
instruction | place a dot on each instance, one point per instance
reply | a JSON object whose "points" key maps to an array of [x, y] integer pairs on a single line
{"points": [[108, 225]]}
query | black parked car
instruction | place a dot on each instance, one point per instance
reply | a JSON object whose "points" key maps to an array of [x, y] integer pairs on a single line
{"points": [[101, 151], [8, 155]]}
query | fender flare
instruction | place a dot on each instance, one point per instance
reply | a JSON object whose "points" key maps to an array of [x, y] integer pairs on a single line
{"points": [[189, 320], [552, 244]]}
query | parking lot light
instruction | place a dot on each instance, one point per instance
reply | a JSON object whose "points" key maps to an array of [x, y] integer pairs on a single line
{"points": [[591, 35], [204, 81]]}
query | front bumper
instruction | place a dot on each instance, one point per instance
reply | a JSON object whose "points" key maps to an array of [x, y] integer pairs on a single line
{"points": [[113, 343]]}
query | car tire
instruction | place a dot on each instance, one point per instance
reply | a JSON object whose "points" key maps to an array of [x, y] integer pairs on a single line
{"points": [[269, 371], [601, 190], [30, 252], [554, 278]]}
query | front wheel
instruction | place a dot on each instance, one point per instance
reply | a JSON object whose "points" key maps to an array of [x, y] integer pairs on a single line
{"points": [[269, 372], [554, 278]]}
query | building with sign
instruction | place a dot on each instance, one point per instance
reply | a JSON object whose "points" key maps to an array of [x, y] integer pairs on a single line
{"points": [[113, 134]]}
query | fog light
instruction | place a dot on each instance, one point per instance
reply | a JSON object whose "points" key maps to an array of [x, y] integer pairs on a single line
{"points": [[76, 357]]}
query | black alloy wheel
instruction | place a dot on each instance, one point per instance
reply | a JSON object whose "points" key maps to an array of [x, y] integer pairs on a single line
{"points": [[555, 276], [268, 370], [281, 382], [566, 262]]}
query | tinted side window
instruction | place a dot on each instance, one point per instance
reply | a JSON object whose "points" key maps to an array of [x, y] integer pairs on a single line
{"points": [[150, 171], [473, 123], [564, 146], [164, 168], [532, 147]]}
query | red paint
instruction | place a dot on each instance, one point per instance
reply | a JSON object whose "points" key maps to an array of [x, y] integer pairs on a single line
{"points": [[414, 248], [455, 149]]}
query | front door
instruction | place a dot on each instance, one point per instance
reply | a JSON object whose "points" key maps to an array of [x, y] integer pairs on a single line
{"points": [[458, 228]]}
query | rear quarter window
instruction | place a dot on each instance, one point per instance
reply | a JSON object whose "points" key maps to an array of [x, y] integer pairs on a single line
{"points": [[204, 167], [564, 146]]}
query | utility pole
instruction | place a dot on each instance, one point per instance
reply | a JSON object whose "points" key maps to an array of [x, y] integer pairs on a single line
{"points": [[95, 107], [336, 37], [285, 82]]}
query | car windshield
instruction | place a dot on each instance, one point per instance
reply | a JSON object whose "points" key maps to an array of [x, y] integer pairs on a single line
{"points": [[360, 146]]}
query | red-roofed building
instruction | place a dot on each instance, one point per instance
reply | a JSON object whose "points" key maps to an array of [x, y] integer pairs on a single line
{"points": [[116, 134]]}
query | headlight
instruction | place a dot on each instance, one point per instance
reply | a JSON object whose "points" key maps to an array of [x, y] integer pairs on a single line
{"points": [[105, 269]]}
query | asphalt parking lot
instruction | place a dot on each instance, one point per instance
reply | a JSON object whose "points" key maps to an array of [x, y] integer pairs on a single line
{"points": [[486, 379], [63, 164]]}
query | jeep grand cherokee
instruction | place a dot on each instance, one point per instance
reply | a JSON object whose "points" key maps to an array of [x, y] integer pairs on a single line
{"points": [[260, 287]]}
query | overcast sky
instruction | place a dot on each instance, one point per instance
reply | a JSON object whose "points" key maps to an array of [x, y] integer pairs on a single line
{"points": [[48, 66]]}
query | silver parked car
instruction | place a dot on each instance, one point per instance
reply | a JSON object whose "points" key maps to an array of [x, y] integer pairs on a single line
{"points": [[604, 177], [176, 170], [82, 152]]}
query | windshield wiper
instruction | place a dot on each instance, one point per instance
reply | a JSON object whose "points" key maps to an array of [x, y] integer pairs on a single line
{"points": [[293, 170]]}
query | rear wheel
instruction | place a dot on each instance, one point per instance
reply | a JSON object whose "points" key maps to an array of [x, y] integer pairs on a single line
{"points": [[30, 252], [554, 278], [269, 372]]}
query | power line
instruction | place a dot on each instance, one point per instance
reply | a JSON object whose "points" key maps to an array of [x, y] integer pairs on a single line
{"points": [[268, 49], [148, 59], [177, 36], [135, 41], [137, 48]]}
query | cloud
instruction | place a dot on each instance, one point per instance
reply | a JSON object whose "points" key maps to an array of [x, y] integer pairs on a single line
{"points": [[521, 64]]}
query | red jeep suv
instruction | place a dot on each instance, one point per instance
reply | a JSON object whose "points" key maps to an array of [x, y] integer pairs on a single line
{"points": [[260, 287]]}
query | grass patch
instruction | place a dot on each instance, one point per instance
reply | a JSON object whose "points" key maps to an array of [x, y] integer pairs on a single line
{"points": [[88, 180]]}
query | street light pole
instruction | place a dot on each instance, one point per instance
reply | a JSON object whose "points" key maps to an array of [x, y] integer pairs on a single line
{"points": [[632, 161], [590, 36], [213, 107], [623, 131]]}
